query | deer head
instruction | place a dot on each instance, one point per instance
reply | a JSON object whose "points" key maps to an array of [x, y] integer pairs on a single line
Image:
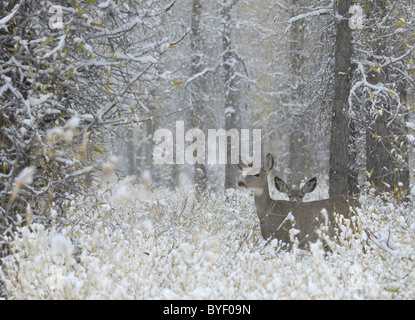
{"points": [[258, 180], [295, 195]]}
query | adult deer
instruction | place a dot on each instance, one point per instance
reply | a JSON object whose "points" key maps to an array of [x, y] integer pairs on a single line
{"points": [[277, 217]]}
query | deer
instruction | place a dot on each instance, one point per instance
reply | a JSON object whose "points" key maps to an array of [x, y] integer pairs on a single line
{"points": [[278, 217], [295, 195]]}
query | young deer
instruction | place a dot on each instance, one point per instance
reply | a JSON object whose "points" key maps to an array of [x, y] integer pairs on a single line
{"points": [[277, 217], [295, 195]]}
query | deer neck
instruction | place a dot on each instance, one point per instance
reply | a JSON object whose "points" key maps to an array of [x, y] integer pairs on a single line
{"points": [[263, 201]]}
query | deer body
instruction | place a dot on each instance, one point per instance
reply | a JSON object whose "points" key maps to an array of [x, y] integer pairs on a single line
{"points": [[277, 217]]}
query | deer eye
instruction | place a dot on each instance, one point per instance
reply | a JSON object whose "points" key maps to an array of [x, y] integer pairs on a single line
{"points": [[257, 175], [290, 197], [300, 197]]}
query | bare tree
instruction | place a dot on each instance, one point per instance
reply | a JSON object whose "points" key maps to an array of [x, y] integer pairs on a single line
{"points": [[340, 120], [63, 90], [300, 154], [198, 95], [233, 69], [386, 143]]}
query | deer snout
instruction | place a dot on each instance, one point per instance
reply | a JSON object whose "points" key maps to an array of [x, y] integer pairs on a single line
{"points": [[242, 184]]}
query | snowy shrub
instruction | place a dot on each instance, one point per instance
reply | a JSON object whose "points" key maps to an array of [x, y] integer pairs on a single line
{"points": [[59, 90], [166, 245]]}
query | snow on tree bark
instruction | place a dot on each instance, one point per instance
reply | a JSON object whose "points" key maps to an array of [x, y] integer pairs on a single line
{"points": [[340, 131]]}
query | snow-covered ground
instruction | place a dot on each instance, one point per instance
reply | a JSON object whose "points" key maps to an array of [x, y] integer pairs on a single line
{"points": [[131, 243]]}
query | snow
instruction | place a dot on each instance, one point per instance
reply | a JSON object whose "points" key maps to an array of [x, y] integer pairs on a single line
{"points": [[313, 13], [73, 123], [27, 122], [122, 239], [41, 99], [411, 139], [229, 110], [82, 171], [129, 57], [146, 178], [126, 27], [167, 245], [25, 176], [60, 245], [104, 5], [7, 18], [58, 48]]}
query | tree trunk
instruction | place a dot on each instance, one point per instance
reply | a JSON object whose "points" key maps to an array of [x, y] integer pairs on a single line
{"points": [[198, 89], [299, 153], [131, 153], [340, 129], [231, 90]]}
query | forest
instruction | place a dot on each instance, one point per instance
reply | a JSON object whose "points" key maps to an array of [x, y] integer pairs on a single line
{"points": [[125, 124]]}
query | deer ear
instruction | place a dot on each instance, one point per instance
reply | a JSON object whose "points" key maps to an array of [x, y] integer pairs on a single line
{"points": [[269, 162], [310, 185], [281, 185], [243, 163]]}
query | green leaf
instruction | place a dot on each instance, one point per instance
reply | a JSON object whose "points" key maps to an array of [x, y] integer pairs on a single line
{"points": [[369, 174], [16, 47], [177, 83], [97, 150], [5, 146], [381, 112], [78, 6], [375, 69], [97, 25], [107, 89]]}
